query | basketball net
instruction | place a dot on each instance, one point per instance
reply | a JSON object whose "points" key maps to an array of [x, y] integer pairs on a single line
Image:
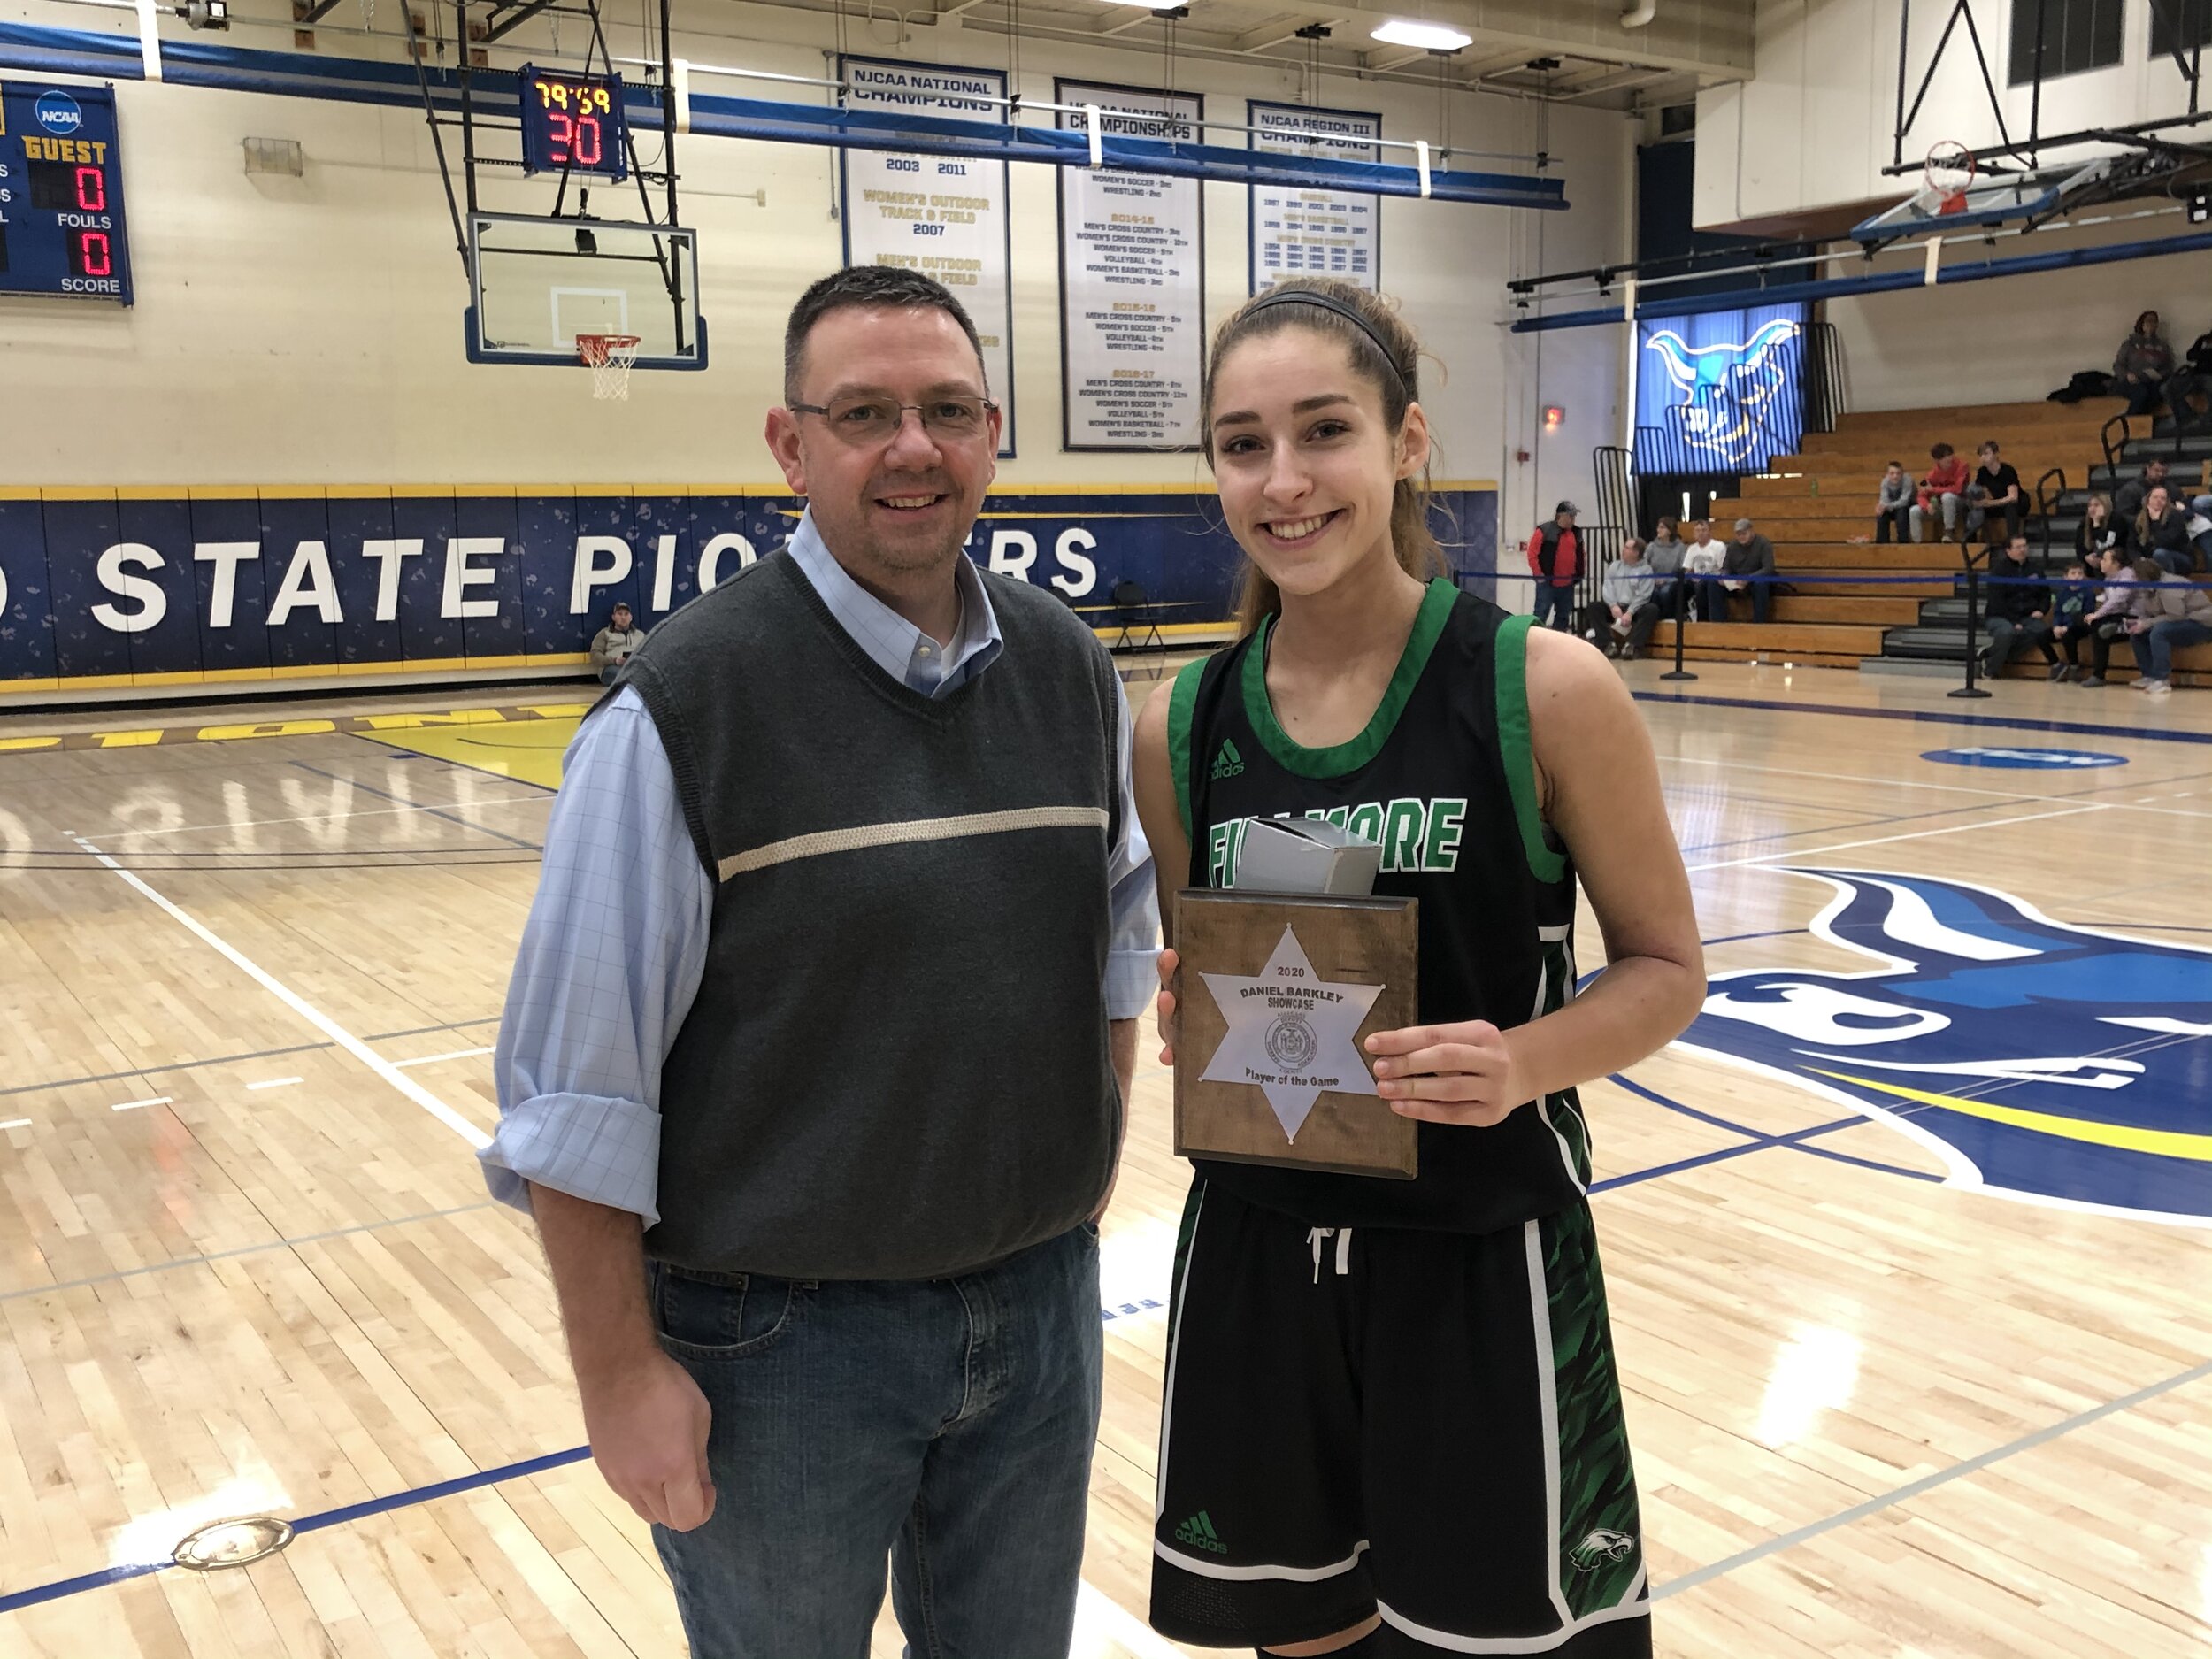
{"points": [[609, 357], [1947, 176]]}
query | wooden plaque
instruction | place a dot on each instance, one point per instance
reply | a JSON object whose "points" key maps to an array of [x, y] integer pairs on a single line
{"points": [[1277, 995]]}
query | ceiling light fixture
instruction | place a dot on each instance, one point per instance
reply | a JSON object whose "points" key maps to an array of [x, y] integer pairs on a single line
{"points": [[1434, 37]]}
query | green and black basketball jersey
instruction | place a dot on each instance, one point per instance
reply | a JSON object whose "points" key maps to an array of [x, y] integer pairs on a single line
{"points": [[1443, 779]]}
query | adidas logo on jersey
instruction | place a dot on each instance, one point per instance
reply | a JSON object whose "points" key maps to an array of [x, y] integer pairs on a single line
{"points": [[1199, 1533], [1601, 1545], [1228, 763]]}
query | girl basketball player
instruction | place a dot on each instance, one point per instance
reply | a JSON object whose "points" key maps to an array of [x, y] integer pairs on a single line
{"points": [[1393, 1423]]}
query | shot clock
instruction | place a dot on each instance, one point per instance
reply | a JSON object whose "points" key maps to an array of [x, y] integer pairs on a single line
{"points": [[573, 124], [61, 193]]}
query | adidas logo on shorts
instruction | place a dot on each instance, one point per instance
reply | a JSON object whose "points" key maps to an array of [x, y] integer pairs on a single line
{"points": [[1198, 1532]]}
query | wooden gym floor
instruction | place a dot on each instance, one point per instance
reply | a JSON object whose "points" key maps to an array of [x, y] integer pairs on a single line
{"points": [[1918, 1353]]}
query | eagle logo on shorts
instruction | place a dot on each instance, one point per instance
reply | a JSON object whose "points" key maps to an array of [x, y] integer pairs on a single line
{"points": [[1600, 1545], [2046, 1063], [1291, 1043]]}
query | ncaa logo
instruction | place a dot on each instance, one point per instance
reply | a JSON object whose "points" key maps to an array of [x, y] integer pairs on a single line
{"points": [[57, 113]]}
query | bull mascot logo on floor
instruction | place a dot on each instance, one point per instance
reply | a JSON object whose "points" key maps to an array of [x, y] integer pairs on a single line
{"points": [[1733, 398], [2055, 1064]]}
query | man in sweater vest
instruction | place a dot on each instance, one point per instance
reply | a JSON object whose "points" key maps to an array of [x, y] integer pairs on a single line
{"points": [[815, 1056]]}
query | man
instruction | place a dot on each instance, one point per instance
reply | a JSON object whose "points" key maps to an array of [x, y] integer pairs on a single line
{"points": [[1554, 554], [614, 645], [814, 1065], [2175, 612], [1701, 561], [1994, 495], [1626, 586], [2018, 611], [2127, 502], [1749, 564]]}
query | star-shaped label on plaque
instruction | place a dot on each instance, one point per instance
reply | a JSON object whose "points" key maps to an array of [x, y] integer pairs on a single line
{"points": [[1290, 1034]]}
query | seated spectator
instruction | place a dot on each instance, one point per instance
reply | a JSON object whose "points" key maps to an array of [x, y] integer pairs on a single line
{"points": [[2127, 501], [1944, 483], [2071, 602], [1666, 538], [2019, 610], [1669, 591], [1701, 559], [1892, 505], [2168, 613], [2144, 364], [1626, 584], [1750, 556], [2114, 605], [2162, 533], [2198, 523], [611, 646], [1992, 495], [2189, 394], [2098, 529]]}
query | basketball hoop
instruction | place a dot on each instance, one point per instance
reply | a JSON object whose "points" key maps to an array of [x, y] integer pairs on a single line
{"points": [[609, 357], [1947, 177]]}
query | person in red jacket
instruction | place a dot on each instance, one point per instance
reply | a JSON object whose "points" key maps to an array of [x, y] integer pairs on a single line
{"points": [[1940, 490], [1554, 556]]}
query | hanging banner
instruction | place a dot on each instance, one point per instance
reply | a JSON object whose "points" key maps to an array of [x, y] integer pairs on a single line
{"points": [[944, 218], [1721, 392], [1133, 326], [1299, 232]]}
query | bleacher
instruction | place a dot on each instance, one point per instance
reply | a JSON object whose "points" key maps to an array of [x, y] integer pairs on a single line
{"points": [[1811, 505]]}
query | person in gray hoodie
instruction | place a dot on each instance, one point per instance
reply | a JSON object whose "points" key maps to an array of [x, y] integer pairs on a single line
{"points": [[2168, 613], [1892, 505]]}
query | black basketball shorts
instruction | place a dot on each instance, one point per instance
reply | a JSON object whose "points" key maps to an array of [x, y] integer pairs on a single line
{"points": [[1422, 1424]]}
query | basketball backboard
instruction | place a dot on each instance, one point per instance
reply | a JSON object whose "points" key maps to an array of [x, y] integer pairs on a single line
{"points": [[2006, 199], [536, 284]]}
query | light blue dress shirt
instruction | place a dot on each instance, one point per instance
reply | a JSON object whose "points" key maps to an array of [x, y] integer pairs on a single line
{"points": [[617, 941]]}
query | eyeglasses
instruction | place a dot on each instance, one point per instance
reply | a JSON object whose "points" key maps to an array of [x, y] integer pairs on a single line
{"points": [[866, 421]]}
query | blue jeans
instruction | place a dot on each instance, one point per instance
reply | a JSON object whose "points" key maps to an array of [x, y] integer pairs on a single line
{"points": [[1559, 602], [945, 1424], [2154, 648]]}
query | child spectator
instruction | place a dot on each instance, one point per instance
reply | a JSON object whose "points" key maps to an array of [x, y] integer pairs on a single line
{"points": [[2098, 529], [1993, 493], [2171, 612], [2144, 364], [1944, 483], [2071, 601], [1892, 505]]}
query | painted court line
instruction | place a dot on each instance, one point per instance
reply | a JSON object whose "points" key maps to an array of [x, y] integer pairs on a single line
{"points": [[1929, 1483], [16, 1123], [132, 1105], [276, 1082], [301, 1006], [433, 1059], [1883, 841]]}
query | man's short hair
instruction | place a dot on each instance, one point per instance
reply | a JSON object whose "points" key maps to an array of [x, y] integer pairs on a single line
{"points": [[878, 285], [1743, 524]]}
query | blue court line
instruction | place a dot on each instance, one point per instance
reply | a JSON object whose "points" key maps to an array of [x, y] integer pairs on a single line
{"points": [[450, 817], [338, 1517], [1771, 932], [1932, 716]]}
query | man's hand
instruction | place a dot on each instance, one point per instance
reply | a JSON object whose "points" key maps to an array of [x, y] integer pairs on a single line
{"points": [[1460, 1073], [648, 1428]]}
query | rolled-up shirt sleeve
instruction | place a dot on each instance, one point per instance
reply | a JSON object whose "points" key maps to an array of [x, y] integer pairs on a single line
{"points": [[612, 957], [1133, 944]]}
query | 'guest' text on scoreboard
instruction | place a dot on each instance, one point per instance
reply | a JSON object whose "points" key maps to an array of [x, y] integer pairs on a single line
{"points": [[61, 193]]}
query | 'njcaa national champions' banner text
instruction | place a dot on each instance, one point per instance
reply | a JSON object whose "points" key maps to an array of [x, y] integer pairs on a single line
{"points": [[1132, 284], [943, 217], [99, 589]]}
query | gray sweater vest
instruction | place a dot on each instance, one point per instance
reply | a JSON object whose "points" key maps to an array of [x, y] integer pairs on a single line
{"points": [[896, 1066]]}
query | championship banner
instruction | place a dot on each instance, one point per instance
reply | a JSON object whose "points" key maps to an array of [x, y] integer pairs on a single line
{"points": [[1298, 232], [1133, 326], [944, 218]]}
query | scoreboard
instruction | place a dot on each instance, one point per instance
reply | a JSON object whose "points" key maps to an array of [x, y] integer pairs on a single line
{"points": [[61, 193]]}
